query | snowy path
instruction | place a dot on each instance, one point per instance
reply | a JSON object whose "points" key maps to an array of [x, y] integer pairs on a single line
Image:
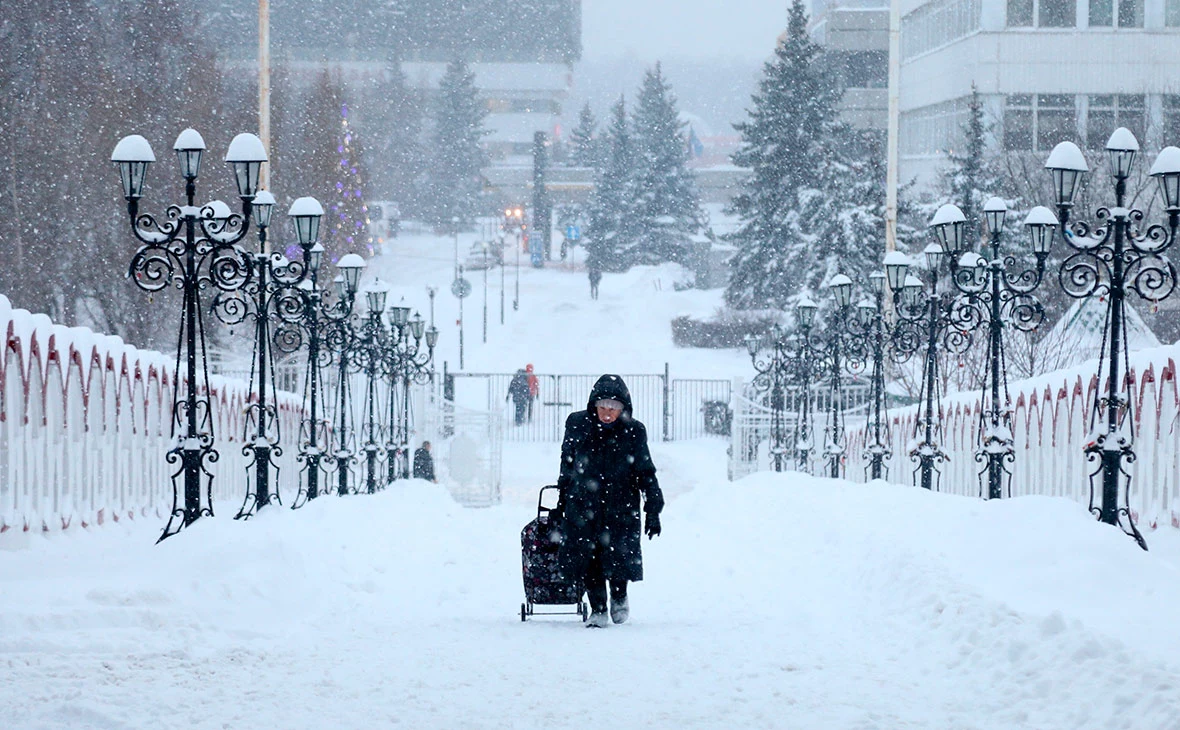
{"points": [[779, 602]]}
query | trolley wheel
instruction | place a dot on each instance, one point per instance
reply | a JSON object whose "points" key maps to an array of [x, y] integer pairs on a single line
{"points": [[523, 614]]}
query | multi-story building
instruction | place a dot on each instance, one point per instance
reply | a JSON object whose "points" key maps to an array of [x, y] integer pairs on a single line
{"points": [[855, 38], [1046, 70]]}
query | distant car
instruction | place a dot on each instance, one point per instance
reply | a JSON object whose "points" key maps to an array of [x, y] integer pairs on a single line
{"points": [[483, 256]]}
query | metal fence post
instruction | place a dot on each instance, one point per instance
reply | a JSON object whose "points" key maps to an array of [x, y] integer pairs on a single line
{"points": [[667, 403]]}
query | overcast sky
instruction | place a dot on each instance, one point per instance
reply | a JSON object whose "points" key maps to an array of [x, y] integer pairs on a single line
{"points": [[648, 30]]}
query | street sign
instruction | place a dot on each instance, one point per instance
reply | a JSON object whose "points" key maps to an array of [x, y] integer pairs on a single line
{"points": [[573, 232], [461, 288]]}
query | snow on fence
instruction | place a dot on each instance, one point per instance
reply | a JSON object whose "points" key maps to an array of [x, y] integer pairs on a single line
{"points": [[1051, 424], [85, 422]]}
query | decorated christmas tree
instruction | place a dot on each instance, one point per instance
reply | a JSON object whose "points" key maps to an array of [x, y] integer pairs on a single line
{"points": [[348, 215]]}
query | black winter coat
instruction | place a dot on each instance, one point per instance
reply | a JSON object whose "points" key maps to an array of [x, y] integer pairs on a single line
{"points": [[423, 464], [604, 468]]}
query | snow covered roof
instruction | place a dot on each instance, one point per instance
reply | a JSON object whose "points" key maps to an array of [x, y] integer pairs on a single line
{"points": [[1081, 327]]}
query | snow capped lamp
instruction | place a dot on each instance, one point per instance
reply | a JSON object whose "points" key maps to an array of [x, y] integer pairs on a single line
{"points": [[246, 154], [805, 310], [841, 288], [1067, 165], [897, 265], [972, 272], [1166, 171], [431, 337], [315, 257], [189, 148], [341, 287], [1121, 149], [417, 325], [264, 205], [398, 316], [911, 293], [350, 266], [1040, 224], [995, 210], [132, 155], [877, 282], [934, 255], [753, 343], [306, 213], [867, 310], [948, 224], [375, 298]]}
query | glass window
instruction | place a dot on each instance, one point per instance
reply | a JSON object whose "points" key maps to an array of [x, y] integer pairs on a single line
{"points": [[1020, 13], [1172, 120], [1018, 123], [1172, 13], [1130, 13], [1101, 13], [1107, 112], [1057, 13], [1055, 120]]}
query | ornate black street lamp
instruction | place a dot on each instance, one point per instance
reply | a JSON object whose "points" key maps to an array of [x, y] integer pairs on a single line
{"points": [[997, 293], [341, 339], [193, 249], [844, 351], [272, 295], [810, 355], [405, 364], [367, 355], [1116, 255], [322, 322], [775, 371], [873, 325], [926, 326]]}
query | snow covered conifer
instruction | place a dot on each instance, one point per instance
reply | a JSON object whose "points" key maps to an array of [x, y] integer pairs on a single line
{"points": [[584, 142], [785, 144], [452, 182], [971, 179], [610, 222], [666, 207]]}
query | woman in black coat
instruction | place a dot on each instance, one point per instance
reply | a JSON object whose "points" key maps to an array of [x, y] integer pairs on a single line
{"points": [[605, 465]]}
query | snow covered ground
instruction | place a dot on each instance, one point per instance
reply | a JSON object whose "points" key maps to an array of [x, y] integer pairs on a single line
{"points": [[780, 601]]}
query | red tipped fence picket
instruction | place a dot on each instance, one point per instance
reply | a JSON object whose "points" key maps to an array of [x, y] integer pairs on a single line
{"points": [[1051, 425], [84, 428]]}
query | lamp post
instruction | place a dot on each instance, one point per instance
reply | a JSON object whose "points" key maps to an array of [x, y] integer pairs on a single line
{"points": [[1116, 256], [923, 324], [406, 364], [845, 350], [774, 371], [272, 295], [486, 264], [808, 354], [321, 322], [514, 222], [194, 248], [872, 318], [368, 355], [998, 294], [341, 338]]}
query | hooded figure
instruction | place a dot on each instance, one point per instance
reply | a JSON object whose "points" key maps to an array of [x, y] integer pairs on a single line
{"points": [[605, 465]]}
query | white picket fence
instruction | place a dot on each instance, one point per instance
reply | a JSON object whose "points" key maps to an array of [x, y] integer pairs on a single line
{"points": [[1051, 423], [84, 427]]}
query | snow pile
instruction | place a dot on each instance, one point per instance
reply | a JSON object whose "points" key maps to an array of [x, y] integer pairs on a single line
{"points": [[777, 601]]}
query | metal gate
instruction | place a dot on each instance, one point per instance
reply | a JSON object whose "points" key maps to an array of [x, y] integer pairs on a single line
{"points": [[671, 409]]}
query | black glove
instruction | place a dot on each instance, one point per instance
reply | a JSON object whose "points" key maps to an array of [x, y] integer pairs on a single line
{"points": [[653, 525]]}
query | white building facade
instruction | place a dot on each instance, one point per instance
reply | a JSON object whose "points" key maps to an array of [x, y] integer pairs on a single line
{"points": [[1047, 70]]}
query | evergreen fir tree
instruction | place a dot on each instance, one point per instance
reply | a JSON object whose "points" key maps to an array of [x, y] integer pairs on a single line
{"points": [[666, 207], [971, 180], [452, 183], [609, 218], [785, 143], [583, 140], [399, 161]]}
